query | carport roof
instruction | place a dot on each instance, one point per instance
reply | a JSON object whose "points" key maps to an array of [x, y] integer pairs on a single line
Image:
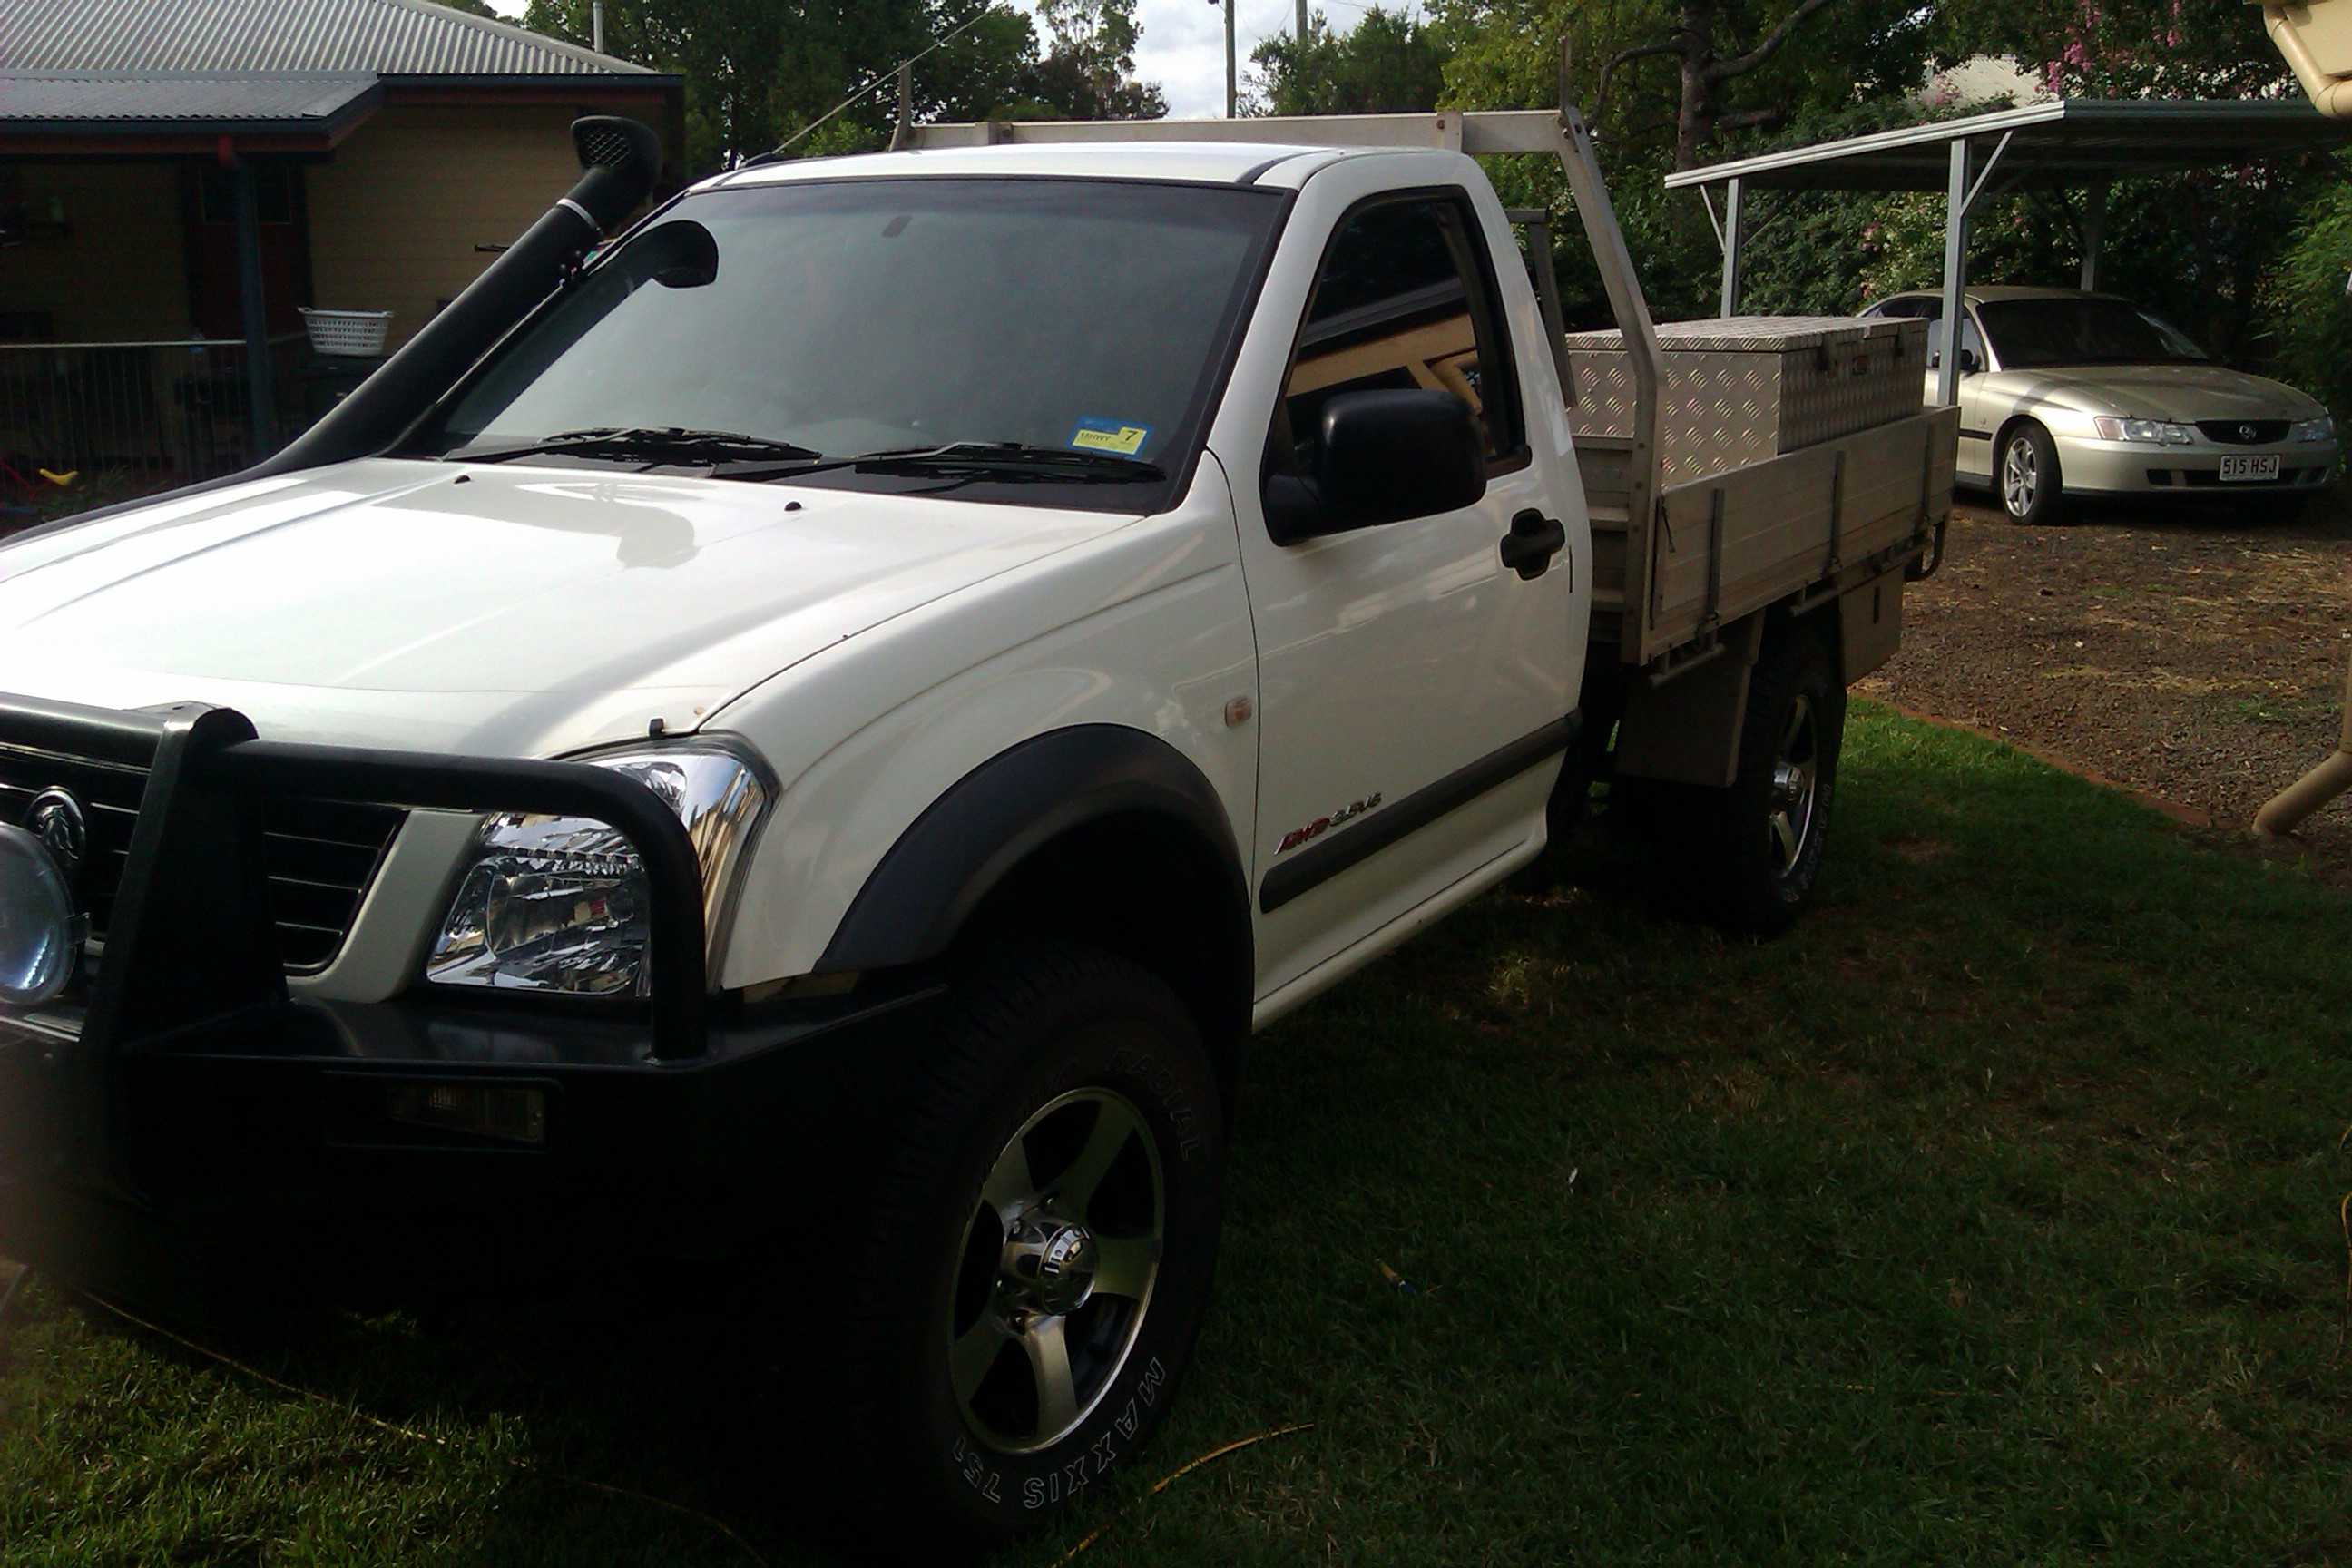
{"points": [[2066, 142]]}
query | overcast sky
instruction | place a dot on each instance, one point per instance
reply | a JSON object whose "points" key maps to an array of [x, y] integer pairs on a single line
{"points": [[1183, 42]]}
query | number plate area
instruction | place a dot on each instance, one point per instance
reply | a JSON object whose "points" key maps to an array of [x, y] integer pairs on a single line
{"points": [[2245, 470]]}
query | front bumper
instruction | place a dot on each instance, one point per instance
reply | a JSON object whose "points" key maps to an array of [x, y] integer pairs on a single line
{"points": [[179, 1113], [2132, 467], [277, 1146]]}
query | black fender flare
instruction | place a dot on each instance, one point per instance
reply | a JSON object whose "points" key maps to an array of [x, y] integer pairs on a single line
{"points": [[952, 855]]}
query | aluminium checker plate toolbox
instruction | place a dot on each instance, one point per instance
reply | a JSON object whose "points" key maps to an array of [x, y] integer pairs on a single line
{"points": [[1741, 389]]}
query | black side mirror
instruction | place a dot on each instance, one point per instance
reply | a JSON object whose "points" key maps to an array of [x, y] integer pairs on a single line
{"points": [[1383, 457], [1969, 364], [680, 254]]}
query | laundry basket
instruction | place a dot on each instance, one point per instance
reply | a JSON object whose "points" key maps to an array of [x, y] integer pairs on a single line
{"points": [[357, 335]]}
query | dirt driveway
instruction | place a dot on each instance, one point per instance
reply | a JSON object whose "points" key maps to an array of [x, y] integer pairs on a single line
{"points": [[2173, 652]]}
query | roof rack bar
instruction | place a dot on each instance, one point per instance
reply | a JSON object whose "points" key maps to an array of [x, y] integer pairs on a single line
{"points": [[1452, 130]]}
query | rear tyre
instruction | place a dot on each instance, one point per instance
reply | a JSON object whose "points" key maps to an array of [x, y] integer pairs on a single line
{"points": [[1745, 857], [2030, 482], [1037, 1260]]}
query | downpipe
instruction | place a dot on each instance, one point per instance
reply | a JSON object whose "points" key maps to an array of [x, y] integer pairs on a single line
{"points": [[2330, 92], [2287, 810]]}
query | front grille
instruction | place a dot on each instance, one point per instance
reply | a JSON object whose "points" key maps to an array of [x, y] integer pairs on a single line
{"points": [[108, 796], [321, 854], [2245, 432]]}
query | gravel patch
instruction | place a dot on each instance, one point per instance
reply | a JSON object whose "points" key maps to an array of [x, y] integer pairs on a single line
{"points": [[2177, 653]]}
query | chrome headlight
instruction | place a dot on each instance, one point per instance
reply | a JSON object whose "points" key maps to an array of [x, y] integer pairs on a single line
{"points": [[2153, 432], [560, 903], [2320, 429]]}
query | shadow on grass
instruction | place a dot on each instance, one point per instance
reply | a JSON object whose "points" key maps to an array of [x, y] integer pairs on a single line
{"points": [[1989, 1216]]}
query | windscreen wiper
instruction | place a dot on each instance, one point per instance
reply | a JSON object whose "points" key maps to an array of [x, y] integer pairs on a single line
{"points": [[970, 459], [670, 444]]}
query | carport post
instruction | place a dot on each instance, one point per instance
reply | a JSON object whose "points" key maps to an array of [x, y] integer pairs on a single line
{"points": [[1730, 248], [260, 400], [1955, 275], [2095, 235]]}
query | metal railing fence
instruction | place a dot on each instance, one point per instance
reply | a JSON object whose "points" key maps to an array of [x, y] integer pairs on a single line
{"points": [[128, 419]]}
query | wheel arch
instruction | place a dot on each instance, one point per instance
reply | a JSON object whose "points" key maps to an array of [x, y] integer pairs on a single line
{"points": [[1098, 833], [2008, 428]]}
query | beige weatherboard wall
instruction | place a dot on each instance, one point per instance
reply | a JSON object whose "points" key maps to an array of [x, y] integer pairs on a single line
{"points": [[396, 217]]}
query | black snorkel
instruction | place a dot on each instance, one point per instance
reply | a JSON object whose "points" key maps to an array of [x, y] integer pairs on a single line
{"points": [[621, 159]]}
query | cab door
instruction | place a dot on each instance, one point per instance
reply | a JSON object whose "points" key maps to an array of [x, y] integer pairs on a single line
{"points": [[1415, 690]]}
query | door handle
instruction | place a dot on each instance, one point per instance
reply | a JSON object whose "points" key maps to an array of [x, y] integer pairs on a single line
{"points": [[1533, 541]]}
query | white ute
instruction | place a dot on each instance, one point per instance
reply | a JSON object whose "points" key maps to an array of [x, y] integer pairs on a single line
{"points": [[825, 725]]}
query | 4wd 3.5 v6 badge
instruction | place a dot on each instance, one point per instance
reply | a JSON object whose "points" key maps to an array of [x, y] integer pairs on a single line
{"points": [[1323, 824]]}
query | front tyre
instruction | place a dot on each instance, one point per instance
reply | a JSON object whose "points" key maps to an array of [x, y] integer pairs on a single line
{"points": [[1040, 1256], [2029, 479]]}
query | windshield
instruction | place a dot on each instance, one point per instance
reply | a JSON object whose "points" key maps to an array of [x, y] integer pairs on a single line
{"points": [[1048, 335], [2028, 333]]}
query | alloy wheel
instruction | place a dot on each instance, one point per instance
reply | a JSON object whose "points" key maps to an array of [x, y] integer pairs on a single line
{"points": [[1059, 1261], [1796, 777], [2020, 476]]}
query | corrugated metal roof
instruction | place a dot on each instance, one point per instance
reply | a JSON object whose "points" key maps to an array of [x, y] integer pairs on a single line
{"points": [[296, 100], [390, 38]]}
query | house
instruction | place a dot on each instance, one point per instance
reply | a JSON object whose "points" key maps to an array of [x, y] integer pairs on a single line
{"points": [[179, 177]]}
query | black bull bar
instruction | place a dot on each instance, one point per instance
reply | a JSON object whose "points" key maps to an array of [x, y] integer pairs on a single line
{"points": [[191, 944], [193, 1087]]}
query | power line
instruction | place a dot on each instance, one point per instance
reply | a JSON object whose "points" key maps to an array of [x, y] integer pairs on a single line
{"points": [[880, 77]]}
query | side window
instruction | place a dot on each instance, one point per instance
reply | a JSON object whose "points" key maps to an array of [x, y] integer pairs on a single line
{"points": [[1405, 299], [1971, 341]]}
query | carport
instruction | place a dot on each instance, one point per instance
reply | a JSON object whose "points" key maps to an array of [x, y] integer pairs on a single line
{"points": [[2060, 145]]}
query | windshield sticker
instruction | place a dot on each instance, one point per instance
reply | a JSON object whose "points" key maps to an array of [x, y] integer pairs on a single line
{"points": [[1094, 435]]}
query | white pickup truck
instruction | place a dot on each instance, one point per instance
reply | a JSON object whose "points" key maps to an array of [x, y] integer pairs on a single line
{"points": [[822, 727]]}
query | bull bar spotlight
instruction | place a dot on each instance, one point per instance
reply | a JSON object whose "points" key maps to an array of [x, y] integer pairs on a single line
{"points": [[37, 925]]}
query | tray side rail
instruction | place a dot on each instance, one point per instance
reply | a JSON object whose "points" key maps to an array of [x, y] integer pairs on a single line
{"points": [[1800, 525]]}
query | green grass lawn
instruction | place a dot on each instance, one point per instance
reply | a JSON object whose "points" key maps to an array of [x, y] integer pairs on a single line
{"points": [[1991, 1217]]}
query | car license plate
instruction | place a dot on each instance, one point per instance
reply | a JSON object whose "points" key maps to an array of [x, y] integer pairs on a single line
{"points": [[2239, 470]]}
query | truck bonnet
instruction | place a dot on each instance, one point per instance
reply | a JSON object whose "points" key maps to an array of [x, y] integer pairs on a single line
{"points": [[511, 610]]}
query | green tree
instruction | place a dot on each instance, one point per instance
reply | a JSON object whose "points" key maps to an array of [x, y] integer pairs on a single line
{"points": [[1389, 63], [756, 71], [1713, 44], [759, 72], [1088, 69], [988, 70], [2307, 297], [2166, 49], [1804, 70]]}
